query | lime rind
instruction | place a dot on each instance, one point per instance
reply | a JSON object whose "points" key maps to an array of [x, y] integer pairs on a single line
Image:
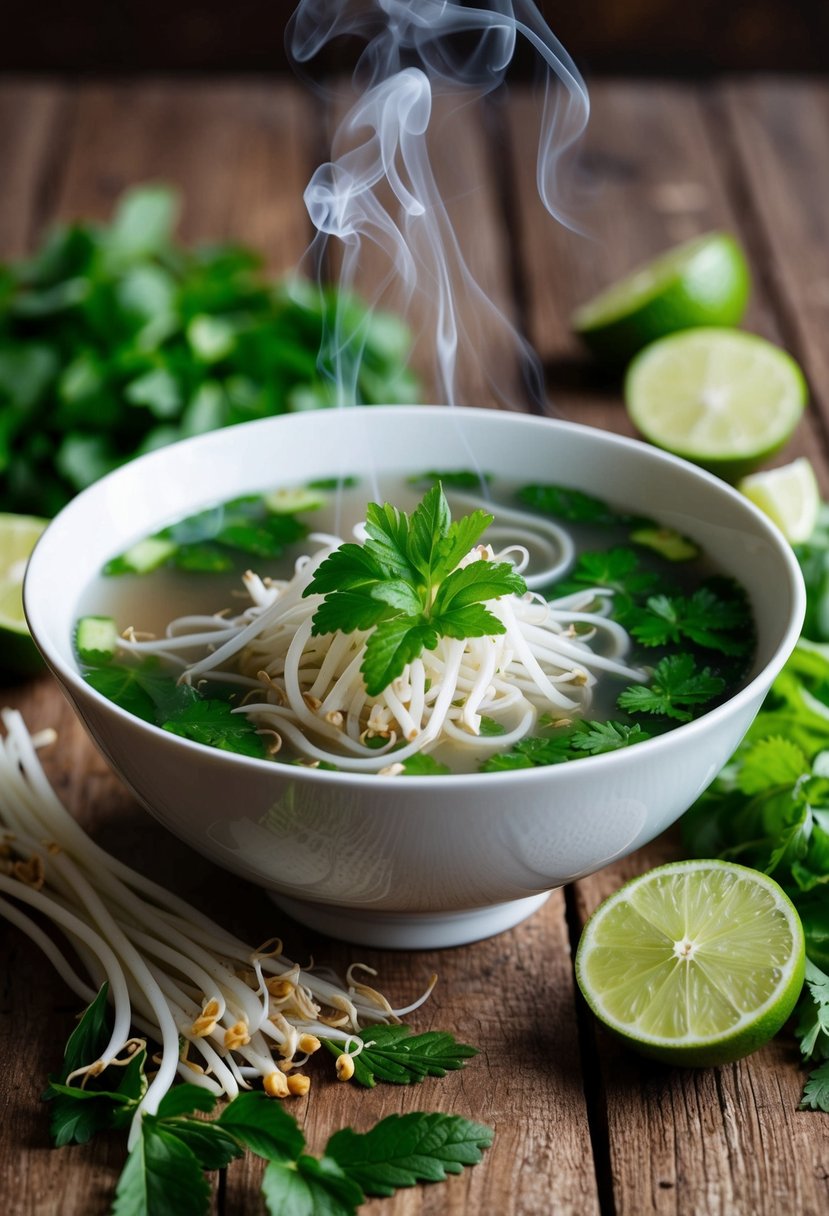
{"points": [[734, 994], [703, 282]]}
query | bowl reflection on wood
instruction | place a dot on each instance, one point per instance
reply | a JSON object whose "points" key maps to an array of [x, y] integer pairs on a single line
{"points": [[411, 861]]}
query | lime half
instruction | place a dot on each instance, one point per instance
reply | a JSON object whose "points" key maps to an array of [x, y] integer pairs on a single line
{"points": [[703, 282], [18, 535], [695, 963], [722, 398], [789, 495]]}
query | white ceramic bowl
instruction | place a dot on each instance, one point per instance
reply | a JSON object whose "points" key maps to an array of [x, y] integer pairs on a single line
{"points": [[411, 861]]}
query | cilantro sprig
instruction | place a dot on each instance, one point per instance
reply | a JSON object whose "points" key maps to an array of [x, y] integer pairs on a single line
{"points": [[404, 586], [164, 1174]]}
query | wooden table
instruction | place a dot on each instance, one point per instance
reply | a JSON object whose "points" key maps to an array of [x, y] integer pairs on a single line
{"points": [[582, 1127]]}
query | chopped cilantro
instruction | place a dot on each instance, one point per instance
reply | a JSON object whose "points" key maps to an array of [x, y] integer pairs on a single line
{"points": [[676, 686]]}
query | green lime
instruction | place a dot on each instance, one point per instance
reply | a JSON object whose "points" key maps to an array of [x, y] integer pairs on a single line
{"points": [[703, 282], [722, 398], [789, 495], [695, 963], [18, 534]]}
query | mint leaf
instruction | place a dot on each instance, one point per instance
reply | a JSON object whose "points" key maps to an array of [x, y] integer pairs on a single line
{"points": [[162, 1177], [310, 1187], [212, 1147], [183, 1099], [263, 1126], [391, 646], [213, 723], [395, 1055], [675, 687], [402, 1150]]}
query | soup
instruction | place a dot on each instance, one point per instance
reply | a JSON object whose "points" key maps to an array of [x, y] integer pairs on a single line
{"points": [[477, 626]]}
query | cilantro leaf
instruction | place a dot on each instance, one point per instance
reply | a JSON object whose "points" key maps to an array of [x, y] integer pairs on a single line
{"points": [[573, 506], [617, 569], [391, 646], [213, 723], [428, 527], [455, 479], [703, 618], [162, 1177], [531, 752], [395, 1055], [462, 536], [402, 1150], [76, 1113], [144, 689], [476, 583], [769, 763], [675, 686], [404, 586], [423, 765], [263, 1126], [309, 1186], [816, 1090], [596, 738]]}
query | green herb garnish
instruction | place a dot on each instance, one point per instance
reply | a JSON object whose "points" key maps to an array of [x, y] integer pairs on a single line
{"points": [[704, 618], [164, 1174], [675, 688], [394, 1054], [402, 584]]}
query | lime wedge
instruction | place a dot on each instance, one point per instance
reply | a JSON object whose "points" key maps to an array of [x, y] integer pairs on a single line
{"points": [[703, 282], [722, 398], [789, 495], [695, 963], [18, 534]]}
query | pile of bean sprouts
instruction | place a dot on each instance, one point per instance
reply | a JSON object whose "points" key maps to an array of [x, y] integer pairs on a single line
{"points": [[225, 1015], [307, 691]]}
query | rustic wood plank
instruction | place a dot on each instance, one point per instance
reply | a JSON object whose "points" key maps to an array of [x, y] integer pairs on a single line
{"points": [[778, 135], [239, 152], [728, 1140], [32, 119]]}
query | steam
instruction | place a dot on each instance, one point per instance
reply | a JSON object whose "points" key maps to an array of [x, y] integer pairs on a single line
{"points": [[379, 194]]}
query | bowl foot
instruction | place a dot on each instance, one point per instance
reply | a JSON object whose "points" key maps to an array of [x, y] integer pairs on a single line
{"points": [[410, 930]]}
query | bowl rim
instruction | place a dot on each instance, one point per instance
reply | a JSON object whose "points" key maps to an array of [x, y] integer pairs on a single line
{"points": [[683, 732]]}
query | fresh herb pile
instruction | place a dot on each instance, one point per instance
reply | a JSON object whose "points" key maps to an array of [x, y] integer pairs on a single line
{"points": [[164, 1174], [769, 808], [114, 340]]}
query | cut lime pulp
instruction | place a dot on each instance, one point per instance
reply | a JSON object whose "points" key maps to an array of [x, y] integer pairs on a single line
{"points": [[702, 282], [18, 536], [695, 963], [789, 495], [721, 398]]}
